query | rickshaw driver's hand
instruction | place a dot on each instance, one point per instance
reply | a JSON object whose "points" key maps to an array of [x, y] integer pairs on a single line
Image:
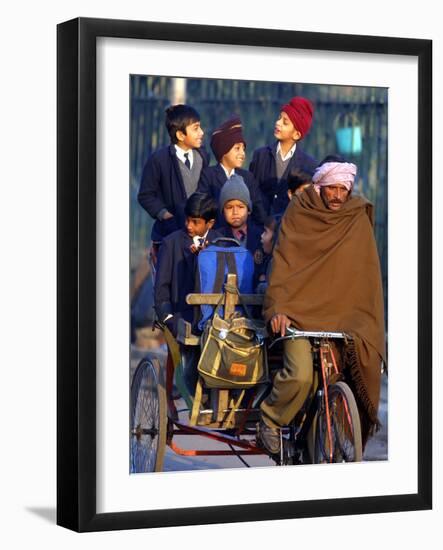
{"points": [[279, 323]]}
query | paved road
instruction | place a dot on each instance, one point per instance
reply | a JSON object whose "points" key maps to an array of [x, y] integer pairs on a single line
{"points": [[376, 449]]}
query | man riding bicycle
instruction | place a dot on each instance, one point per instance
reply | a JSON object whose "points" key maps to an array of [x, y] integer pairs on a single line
{"points": [[325, 276]]}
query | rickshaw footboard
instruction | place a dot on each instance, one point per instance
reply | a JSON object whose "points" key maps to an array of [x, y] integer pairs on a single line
{"points": [[246, 447]]}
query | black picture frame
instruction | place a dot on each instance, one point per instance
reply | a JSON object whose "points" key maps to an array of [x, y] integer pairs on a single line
{"points": [[76, 280]]}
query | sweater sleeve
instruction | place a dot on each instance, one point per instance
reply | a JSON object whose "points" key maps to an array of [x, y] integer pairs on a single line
{"points": [[258, 210], [150, 193], [204, 184], [253, 164]]}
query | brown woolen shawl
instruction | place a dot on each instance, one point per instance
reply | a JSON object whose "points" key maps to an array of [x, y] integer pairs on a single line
{"points": [[326, 276]]}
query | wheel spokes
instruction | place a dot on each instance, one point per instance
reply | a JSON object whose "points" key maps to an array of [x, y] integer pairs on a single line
{"points": [[339, 442], [344, 450], [145, 423]]}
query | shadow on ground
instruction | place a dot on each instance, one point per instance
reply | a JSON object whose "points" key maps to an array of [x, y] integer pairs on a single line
{"points": [[49, 514]]}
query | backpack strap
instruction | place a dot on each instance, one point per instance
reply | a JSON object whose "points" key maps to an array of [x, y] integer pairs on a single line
{"points": [[230, 261], [223, 259], [229, 240], [219, 273]]}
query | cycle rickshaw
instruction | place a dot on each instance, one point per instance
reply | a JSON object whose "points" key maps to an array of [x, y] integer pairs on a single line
{"points": [[326, 430]]}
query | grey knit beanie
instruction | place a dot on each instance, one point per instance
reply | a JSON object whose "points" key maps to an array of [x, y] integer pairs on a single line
{"points": [[235, 189]]}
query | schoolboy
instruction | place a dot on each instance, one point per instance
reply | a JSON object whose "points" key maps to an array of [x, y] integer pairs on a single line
{"points": [[235, 204], [271, 164], [171, 174], [177, 260], [229, 147], [298, 180], [268, 240]]}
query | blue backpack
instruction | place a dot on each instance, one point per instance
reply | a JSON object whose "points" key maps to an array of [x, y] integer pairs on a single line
{"points": [[214, 263]]}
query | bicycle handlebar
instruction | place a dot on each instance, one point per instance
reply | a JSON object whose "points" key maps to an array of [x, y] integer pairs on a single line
{"points": [[292, 333]]}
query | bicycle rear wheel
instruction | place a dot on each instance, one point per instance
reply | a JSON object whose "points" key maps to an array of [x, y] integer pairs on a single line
{"points": [[344, 443], [148, 418]]}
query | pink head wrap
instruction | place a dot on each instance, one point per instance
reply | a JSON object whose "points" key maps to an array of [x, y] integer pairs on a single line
{"points": [[333, 173]]}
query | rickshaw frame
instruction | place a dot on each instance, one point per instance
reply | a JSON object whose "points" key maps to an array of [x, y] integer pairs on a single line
{"points": [[221, 431]]}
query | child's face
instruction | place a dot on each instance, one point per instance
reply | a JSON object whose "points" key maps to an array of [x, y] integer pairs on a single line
{"points": [[235, 157], [266, 240], [192, 138], [284, 130], [236, 213], [197, 227]]}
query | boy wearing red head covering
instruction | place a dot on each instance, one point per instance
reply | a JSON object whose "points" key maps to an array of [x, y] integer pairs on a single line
{"points": [[272, 164]]}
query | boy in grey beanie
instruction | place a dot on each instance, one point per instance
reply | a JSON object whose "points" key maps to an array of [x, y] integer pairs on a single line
{"points": [[235, 204], [235, 189]]}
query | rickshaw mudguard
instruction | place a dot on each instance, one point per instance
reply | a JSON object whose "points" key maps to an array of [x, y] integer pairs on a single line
{"points": [[174, 371]]}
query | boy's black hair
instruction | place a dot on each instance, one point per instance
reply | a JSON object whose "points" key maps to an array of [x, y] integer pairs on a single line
{"points": [[332, 158], [297, 177], [273, 223], [201, 205], [178, 117]]}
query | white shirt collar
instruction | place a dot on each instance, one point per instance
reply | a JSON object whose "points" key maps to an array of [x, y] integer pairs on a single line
{"points": [[288, 154], [228, 175], [197, 238], [181, 154]]}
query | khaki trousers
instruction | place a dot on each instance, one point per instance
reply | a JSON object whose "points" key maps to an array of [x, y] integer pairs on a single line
{"points": [[292, 384]]}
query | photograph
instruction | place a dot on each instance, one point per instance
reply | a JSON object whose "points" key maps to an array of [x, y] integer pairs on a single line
{"points": [[258, 273], [240, 227]]}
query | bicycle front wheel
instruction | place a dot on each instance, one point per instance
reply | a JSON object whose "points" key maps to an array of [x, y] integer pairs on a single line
{"points": [[342, 442], [148, 418]]}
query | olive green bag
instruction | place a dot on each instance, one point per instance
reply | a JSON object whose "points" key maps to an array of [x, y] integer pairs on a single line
{"points": [[233, 353]]}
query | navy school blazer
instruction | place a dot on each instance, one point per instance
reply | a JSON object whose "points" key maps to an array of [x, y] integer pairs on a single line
{"points": [[212, 180], [162, 187], [274, 191], [176, 276]]}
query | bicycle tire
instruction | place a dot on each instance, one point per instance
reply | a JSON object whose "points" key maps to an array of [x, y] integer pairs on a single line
{"points": [[345, 428], [148, 418]]}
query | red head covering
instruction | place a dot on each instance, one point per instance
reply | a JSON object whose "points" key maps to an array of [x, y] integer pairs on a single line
{"points": [[300, 111]]}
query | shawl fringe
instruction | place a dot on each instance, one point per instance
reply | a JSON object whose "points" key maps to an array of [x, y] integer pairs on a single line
{"points": [[352, 362]]}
